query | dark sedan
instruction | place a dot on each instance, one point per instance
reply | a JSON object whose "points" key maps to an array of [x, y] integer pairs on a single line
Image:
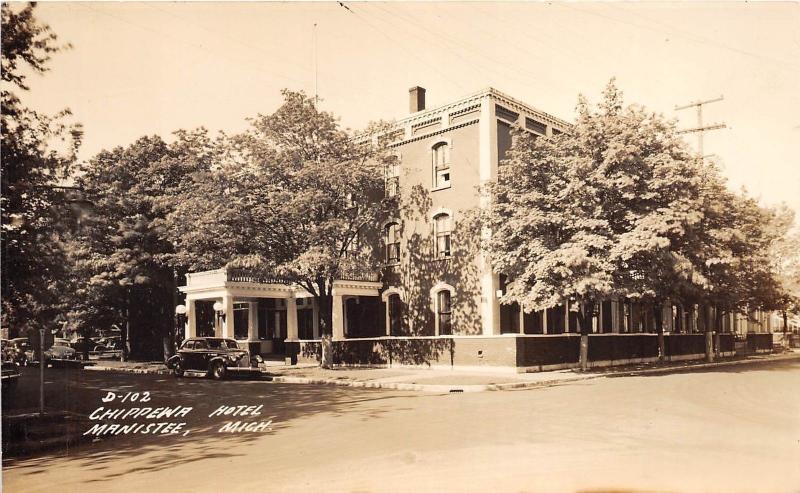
{"points": [[10, 375], [214, 356], [17, 350]]}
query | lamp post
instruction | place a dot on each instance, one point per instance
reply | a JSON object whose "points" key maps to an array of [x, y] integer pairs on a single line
{"points": [[220, 312], [180, 317]]}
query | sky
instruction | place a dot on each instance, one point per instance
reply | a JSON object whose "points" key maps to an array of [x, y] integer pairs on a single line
{"points": [[154, 67]]}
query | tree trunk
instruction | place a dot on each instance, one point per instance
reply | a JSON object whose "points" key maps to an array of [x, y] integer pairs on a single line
{"points": [[658, 313], [718, 325], [126, 330], [585, 319], [709, 336], [168, 344], [785, 322], [325, 314], [325, 304]]}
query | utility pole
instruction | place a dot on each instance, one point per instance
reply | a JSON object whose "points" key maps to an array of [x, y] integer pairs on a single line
{"points": [[314, 43], [700, 129]]}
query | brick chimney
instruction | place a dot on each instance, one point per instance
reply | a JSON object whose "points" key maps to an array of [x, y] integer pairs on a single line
{"points": [[416, 99]]}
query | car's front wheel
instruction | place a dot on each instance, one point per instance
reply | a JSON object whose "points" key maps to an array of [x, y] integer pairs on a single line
{"points": [[177, 369], [217, 370]]}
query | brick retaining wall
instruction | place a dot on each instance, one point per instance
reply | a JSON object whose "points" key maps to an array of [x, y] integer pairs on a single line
{"points": [[515, 350]]}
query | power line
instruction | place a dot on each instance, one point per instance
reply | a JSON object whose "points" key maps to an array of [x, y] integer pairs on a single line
{"points": [[686, 34], [271, 54], [179, 40], [454, 44], [402, 46], [314, 47]]}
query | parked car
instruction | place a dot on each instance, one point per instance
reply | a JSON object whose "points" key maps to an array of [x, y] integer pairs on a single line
{"points": [[110, 343], [84, 345], [60, 350], [18, 349], [10, 375], [109, 347], [216, 357]]}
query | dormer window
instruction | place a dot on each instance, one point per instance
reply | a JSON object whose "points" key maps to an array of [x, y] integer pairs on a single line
{"points": [[441, 165]]}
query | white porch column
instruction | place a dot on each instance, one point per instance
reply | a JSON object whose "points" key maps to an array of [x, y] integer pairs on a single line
{"points": [[291, 318], [315, 316], [338, 317], [252, 321], [666, 317], [544, 321], [218, 323], [190, 329], [615, 317], [227, 309], [388, 318]]}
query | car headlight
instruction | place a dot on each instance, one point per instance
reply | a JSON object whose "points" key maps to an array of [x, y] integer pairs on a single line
{"points": [[258, 358]]}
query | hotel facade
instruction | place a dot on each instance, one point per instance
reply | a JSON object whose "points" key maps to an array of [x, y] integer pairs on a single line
{"points": [[436, 301]]}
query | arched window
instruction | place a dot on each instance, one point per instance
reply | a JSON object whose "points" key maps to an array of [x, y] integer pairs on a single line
{"points": [[394, 305], [391, 239], [442, 231], [393, 301], [441, 165], [444, 314]]}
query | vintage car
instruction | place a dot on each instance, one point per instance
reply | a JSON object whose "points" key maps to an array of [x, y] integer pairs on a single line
{"points": [[215, 357], [17, 349], [10, 375], [83, 346], [60, 350]]}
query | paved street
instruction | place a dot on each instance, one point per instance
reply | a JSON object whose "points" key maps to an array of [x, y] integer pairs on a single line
{"points": [[729, 429]]}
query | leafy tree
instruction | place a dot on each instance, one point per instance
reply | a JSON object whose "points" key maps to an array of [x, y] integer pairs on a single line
{"points": [[620, 207], [549, 233], [123, 258], [647, 182], [785, 255], [294, 197], [38, 152]]}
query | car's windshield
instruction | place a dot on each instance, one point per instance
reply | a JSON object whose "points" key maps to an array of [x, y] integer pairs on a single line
{"points": [[222, 344]]}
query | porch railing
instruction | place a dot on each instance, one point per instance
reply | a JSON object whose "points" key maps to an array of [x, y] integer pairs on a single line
{"points": [[351, 273], [243, 275], [345, 274]]}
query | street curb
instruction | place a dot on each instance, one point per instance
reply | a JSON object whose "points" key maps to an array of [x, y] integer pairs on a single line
{"points": [[138, 371], [519, 385], [438, 388], [444, 388], [700, 366]]}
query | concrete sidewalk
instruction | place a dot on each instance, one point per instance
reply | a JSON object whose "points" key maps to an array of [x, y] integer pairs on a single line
{"points": [[450, 380]]}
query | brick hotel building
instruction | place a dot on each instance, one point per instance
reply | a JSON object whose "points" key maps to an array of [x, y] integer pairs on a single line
{"points": [[436, 301]]}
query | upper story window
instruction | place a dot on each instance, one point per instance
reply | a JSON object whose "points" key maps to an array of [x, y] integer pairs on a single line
{"points": [[441, 165], [353, 247], [392, 243], [392, 184], [442, 231]]}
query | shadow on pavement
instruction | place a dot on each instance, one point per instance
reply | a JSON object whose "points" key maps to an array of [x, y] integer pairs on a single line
{"points": [[284, 404], [765, 365]]}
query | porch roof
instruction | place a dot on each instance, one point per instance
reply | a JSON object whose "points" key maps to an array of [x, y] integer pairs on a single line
{"points": [[241, 283]]}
